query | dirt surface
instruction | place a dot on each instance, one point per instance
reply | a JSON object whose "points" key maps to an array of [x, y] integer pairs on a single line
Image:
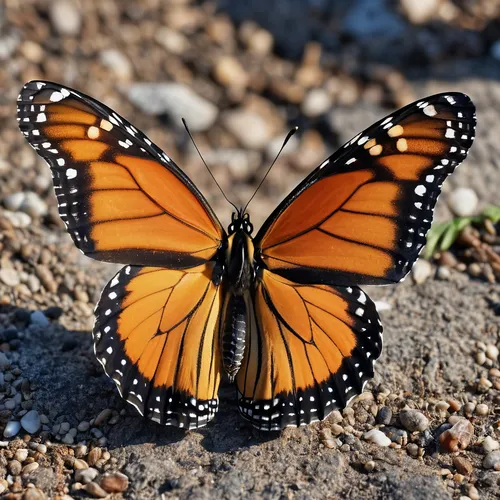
{"points": [[441, 336]]}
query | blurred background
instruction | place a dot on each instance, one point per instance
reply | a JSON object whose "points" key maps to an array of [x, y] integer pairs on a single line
{"points": [[242, 74]]}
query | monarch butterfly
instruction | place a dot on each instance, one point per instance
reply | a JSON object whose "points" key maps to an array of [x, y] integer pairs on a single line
{"points": [[282, 312]]}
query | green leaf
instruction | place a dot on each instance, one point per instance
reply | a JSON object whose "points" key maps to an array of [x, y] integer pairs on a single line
{"points": [[451, 233], [492, 212], [433, 237]]}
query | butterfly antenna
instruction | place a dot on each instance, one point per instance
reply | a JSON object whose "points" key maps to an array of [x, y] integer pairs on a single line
{"points": [[205, 163], [287, 138]]}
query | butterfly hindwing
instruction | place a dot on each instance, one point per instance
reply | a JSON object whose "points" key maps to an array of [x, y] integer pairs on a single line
{"points": [[156, 335], [122, 199], [362, 216], [310, 350]]}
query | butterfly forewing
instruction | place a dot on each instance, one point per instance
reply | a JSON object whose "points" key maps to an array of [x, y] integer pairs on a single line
{"points": [[156, 335], [122, 199], [311, 349], [362, 216]]}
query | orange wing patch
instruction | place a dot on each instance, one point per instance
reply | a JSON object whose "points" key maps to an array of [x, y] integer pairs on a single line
{"points": [[306, 359], [362, 216], [122, 199], [156, 335]]}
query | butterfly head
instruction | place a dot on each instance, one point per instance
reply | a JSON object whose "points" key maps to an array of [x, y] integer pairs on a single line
{"points": [[240, 222]]}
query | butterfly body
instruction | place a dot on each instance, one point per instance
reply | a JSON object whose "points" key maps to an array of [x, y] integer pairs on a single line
{"points": [[238, 280], [282, 312]]}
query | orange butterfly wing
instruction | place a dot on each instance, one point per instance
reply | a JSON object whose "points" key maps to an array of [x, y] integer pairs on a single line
{"points": [[362, 216], [122, 199], [311, 349], [156, 335]]}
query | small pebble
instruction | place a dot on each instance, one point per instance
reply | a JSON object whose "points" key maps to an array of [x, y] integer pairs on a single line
{"points": [[41, 448], [384, 416], [421, 270], [31, 422], [474, 269], [39, 319], [335, 417], [68, 439], [369, 466], [413, 420], [30, 467], [458, 437], [65, 17], [21, 455], [455, 406], [80, 464], [484, 385], [11, 429], [469, 409], [94, 455], [491, 460], [490, 444], [95, 490], [462, 465], [442, 406], [114, 483], [85, 476], [10, 277], [15, 467], [337, 429], [80, 451], [377, 437], [480, 357], [412, 450], [443, 273], [103, 417], [97, 433], [83, 426], [481, 410], [463, 202], [473, 493], [448, 259], [316, 102], [35, 494], [118, 63], [492, 352]]}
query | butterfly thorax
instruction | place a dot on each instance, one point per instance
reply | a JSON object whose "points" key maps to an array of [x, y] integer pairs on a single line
{"points": [[238, 278]]}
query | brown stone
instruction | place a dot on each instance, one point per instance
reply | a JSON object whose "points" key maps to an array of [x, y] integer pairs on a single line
{"points": [[457, 438], [114, 483]]}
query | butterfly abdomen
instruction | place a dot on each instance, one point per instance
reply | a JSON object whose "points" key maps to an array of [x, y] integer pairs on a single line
{"points": [[234, 334]]}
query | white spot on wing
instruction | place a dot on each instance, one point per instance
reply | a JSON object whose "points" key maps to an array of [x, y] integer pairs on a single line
{"points": [[71, 173], [420, 190]]}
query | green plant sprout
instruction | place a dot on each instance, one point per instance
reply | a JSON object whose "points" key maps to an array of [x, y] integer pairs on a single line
{"points": [[443, 234]]}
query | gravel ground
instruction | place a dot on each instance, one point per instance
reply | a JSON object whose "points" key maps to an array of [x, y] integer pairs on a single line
{"points": [[428, 425]]}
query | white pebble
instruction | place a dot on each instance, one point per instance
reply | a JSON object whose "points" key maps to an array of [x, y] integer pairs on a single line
{"points": [[490, 444], [21, 455], [492, 352], [377, 437], [10, 277], [66, 17], [463, 202], [316, 102], [421, 270]]}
